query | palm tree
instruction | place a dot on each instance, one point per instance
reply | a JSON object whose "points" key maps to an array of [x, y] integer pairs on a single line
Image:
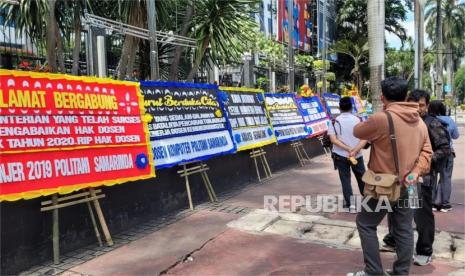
{"points": [[375, 13], [446, 22], [133, 13], [400, 62], [186, 24], [220, 25], [352, 15], [27, 19], [358, 51], [61, 18]]}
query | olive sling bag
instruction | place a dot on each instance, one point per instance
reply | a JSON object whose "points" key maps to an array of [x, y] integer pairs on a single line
{"points": [[384, 184]]}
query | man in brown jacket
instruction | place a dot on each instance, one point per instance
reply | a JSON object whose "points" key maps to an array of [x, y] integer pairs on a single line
{"points": [[414, 152]]}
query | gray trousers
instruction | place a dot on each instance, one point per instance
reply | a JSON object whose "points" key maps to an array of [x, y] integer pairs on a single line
{"points": [[401, 219], [442, 190]]}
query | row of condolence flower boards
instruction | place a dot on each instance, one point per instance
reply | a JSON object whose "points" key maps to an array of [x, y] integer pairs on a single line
{"points": [[61, 133]]}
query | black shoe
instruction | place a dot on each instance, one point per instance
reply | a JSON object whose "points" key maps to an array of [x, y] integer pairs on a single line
{"points": [[387, 248], [437, 207], [389, 244], [445, 208], [389, 240]]}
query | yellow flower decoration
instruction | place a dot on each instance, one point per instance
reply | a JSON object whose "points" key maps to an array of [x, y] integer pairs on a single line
{"points": [[218, 113], [147, 118], [305, 91]]}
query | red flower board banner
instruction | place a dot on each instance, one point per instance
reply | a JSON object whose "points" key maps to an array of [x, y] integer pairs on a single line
{"points": [[61, 133]]}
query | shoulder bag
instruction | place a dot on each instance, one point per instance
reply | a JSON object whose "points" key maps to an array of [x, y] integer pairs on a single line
{"points": [[384, 184]]}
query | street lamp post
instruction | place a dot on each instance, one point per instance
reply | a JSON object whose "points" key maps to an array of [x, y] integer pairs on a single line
{"points": [[290, 12], [324, 47], [246, 58], [152, 24], [419, 33]]}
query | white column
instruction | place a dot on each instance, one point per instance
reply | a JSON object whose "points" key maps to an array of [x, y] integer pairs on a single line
{"points": [[101, 57]]}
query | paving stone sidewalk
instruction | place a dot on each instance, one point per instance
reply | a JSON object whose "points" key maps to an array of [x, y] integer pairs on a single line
{"points": [[336, 233], [234, 237]]}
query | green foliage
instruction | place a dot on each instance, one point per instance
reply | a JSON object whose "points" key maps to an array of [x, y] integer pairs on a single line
{"points": [[453, 25], [459, 84], [320, 84], [25, 16], [272, 53], [352, 17], [318, 64], [358, 51], [263, 82], [330, 76], [400, 62], [305, 61], [355, 49], [225, 26]]}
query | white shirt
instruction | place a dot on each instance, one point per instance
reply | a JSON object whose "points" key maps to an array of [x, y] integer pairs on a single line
{"points": [[344, 126]]}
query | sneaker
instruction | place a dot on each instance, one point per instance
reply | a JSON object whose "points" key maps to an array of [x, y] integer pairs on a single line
{"points": [[352, 209], [446, 208], [436, 208], [422, 260], [359, 273]]}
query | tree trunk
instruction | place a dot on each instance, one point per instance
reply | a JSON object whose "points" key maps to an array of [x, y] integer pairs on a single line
{"points": [[198, 59], [132, 57], [60, 53], [419, 43], [174, 69], [51, 39], [450, 60], [359, 82], [376, 19], [409, 76], [128, 46], [123, 61], [439, 57], [77, 40], [431, 74]]}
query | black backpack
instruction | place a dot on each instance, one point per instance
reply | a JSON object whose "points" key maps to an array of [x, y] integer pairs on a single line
{"points": [[440, 141]]}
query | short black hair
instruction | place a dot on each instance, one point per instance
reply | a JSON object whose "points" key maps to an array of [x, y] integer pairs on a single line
{"points": [[437, 108], [345, 104], [394, 89], [417, 94]]}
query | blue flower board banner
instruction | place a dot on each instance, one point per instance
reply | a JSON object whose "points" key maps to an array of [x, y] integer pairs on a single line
{"points": [[247, 116], [358, 108], [286, 119], [187, 122], [314, 115], [332, 104]]}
